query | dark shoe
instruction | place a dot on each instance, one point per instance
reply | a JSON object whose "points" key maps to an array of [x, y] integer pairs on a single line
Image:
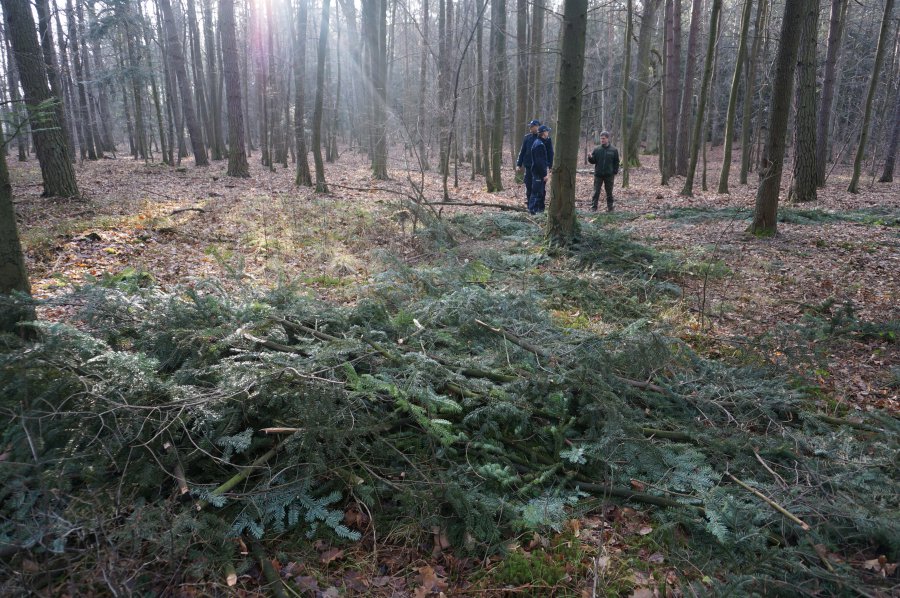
{"points": [[609, 207], [593, 208]]}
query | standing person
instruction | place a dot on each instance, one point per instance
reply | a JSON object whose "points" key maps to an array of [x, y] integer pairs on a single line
{"points": [[523, 164], [540, 170], [605, 159]]}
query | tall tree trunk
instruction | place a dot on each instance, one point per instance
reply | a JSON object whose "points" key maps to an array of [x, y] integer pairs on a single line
{"points": [[184, 84], [193, 31], [137, 85], [562, 226], [237, 153], [86, 140], [18, 121], [732, 96], [642, 84], [375, 24], [53, 72], [303, 177], [522, 63], [803, 187], [483, 156], [870, 96], [213, 86], [535, 60], [716, 12], [671, 94], [750, 93], [443, 87], [321, 186], [626, 77], [890, 156], [94, 119], [56, 168], [683, 145], [105, 119], [835, 36], [765, 215], [497, 89], [421, 128], [13, 275]]}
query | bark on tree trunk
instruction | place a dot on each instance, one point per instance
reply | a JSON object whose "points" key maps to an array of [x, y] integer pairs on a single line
{"points": [[687, 93], [750, 93], [626, 76], [498, 88], [890, 156], [184, 85], [562, 227], [215, 97], [671, 96], [765, 216], [870, 96], [13, 275], [18, 122], [521, 63], [688, 189], [56, 169], [835, 35], [642, 84], [86, 138], [375, 23], [237, 153], [321, 186], [803, 187], [304, 177], [732, 97], [94, 123], [536, 60], [53, 72]]}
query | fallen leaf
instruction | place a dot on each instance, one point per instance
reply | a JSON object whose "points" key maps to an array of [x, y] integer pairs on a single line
{"points": [[331, 555], [645, 530]]}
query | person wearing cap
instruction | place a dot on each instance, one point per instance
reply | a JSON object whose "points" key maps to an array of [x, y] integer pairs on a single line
{"points": [[605, 159], [523, 164], [540, 170]]}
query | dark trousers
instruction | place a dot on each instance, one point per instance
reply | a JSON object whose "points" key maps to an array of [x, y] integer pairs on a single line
{"points": [[603, 182], [526, 177], [538, 194]]}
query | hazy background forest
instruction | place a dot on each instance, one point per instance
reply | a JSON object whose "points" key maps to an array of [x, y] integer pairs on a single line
{"points": [[274, 318]]}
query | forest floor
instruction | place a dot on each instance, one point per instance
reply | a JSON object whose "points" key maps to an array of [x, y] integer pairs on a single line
{"points": [[835, 263], [821, 299]]}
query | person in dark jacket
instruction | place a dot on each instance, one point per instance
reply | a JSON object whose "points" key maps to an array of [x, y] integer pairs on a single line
{"points": [[605, 159], [523, 164], [540, 170]]}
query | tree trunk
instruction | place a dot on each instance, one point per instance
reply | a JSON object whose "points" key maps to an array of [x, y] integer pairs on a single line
{"points": [[303, 177], [81, 48], [765, 216], [56, 169], [683, 145], [732, 96], [215, 97], [13, 275], [374, 18], [688, 189], [18, 121], [803, 187], [642, 84], [321, 186], [136, 72], [105, 118], [199, 86], [671, 96], [521, 63], [626, 76], [870, 96], [86, 140], [535, 59], [237, 153], [443, 88], [750, 93], [561, 223], [890, 156], [835, 35], [497, 89], [184, 84], [53, 72]]}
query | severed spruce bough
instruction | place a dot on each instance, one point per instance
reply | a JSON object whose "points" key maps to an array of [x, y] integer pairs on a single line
{"points": [[459, 396]]}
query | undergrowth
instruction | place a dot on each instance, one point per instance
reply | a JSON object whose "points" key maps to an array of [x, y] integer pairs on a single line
{"points": [[450, 398]]}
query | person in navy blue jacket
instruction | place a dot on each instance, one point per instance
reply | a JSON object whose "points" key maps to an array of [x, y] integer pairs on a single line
{"points": [[540, 170], [524, 161]]}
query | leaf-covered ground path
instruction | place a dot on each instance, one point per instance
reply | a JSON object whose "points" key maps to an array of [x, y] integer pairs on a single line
{"points": [[833, 263], [819, 299]]}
